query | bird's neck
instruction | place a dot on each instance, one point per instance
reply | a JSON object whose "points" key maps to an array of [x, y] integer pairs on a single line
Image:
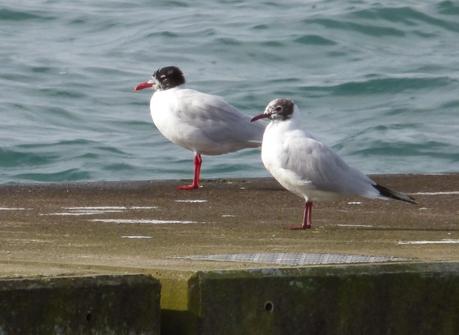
{"points": [[175, 88], [280, 125], [167, 92]]}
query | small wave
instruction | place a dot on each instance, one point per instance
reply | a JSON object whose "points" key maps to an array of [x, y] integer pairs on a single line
{"points": [[450, 104], [260, 27], [370, 86], [433, 149], [227, 41], [16, 158], [164, 33], [119, 167], [62, 143], [314, 40], [389, 85], [366, 29], [59, 176], [62, 93], [174, 4], [392, 14], [16, 15], [275, 44], [448, 8], [224, 169], [406, 15], [42, 69], [110, 149]]}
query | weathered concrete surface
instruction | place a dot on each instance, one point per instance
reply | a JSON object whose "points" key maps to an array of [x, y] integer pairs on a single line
{"points": [[235, 216], [80, 305], [44, 230], [379, 299]]}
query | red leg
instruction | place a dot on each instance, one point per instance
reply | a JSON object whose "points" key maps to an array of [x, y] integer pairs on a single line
{"points": [[307, 221], [197, 174]]}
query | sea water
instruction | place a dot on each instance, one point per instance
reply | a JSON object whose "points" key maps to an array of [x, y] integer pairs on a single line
{"points": [[378, 81]]}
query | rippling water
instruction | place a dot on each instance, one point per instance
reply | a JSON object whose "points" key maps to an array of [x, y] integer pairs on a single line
{"points": [[378, 81]]}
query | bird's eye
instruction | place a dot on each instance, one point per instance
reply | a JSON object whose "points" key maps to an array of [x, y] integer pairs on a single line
{"points": [[278, 109], [162, 76]]}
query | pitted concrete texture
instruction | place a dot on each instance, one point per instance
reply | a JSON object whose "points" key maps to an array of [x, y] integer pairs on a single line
{"points": [[394, 299], [185, 238], [104, 227], [80, 305]]}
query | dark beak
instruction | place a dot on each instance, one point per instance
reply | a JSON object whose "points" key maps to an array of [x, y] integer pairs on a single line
{"points": [[259, 116]]}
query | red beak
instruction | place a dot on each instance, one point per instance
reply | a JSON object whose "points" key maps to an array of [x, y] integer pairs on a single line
{"points": [[259, 116], [141, 86]]}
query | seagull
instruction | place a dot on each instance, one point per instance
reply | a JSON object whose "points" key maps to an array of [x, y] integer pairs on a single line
{"points": [[203, 123], [307, 167]]}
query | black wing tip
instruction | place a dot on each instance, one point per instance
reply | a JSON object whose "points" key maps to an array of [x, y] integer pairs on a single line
{"points": [[385, 192]]}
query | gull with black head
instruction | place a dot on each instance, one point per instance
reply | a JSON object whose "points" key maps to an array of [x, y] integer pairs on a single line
{"points": [[203, 123], [307, 167]]}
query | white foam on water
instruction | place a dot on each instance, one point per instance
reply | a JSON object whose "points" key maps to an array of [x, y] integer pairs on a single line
{"points": [[354, 203], [355, 225], [191, 200]]}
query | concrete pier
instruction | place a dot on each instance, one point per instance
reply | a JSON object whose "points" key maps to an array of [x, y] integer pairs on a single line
{"points": [[80, 305], [226, 262]]}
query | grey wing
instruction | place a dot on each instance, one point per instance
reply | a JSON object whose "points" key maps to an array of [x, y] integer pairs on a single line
{"points": [[221, 122], [317, 164]]}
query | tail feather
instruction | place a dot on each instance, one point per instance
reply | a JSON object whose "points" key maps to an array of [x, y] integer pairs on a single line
{"points": [[384, 191]]}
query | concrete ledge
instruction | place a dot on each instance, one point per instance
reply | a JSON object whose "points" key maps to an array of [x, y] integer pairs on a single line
{"points": [[373, 299], [84, 231], [80, 305]]}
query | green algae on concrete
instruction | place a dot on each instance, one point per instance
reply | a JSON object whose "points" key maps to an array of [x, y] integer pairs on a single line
{"points": [[80, 305], [374, 299]]}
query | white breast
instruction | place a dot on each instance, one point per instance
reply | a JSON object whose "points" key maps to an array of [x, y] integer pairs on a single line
{"points": [[202, 123], [273, 156], [165, 112], [288, 154]]}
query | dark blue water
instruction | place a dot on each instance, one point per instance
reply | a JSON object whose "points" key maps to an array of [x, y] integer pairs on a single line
{"points": [[378, 81]]}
